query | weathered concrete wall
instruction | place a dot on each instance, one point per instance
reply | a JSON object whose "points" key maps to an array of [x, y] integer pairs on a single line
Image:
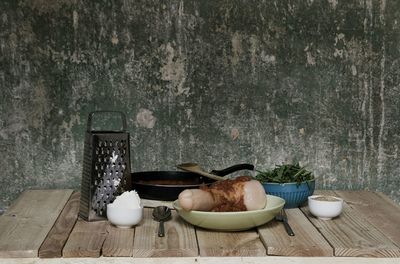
{"points": [[213, 82]]}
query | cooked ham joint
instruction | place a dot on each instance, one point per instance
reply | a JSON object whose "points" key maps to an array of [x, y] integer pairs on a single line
{"points": [[240, 194]]}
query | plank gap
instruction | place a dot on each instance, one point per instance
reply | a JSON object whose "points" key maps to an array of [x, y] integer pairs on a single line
{"points": [[57, 237]]}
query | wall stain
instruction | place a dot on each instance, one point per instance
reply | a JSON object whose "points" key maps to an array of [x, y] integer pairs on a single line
{"points": [[173, 70], [145, 118]]}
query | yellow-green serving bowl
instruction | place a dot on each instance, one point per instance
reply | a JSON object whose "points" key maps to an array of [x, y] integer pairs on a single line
{"points": [[232, 221]]}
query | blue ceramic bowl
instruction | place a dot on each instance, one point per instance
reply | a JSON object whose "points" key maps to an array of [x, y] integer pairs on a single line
{"points": [[293, 194]]}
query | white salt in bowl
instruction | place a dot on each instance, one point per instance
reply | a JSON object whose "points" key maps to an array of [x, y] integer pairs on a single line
{"points": [[124, 217], [325, 207]]}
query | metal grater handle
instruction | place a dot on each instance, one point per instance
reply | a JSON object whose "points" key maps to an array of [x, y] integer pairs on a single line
{"points": [[123, 119]]}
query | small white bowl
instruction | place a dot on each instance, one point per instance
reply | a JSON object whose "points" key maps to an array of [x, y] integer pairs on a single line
{"points": [[325, 207], [124, 217]]}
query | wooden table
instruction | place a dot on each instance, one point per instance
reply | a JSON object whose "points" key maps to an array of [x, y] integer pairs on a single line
{"points": [[42, 226]]}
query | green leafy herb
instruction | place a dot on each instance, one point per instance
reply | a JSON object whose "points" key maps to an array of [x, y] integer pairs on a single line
{"points": [[285, 173]]}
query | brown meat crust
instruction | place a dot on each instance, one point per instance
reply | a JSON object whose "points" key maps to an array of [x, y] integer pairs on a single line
{"points": [[228, 194]]}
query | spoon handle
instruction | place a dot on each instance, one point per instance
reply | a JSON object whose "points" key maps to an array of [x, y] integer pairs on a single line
{"points": [[161, 231]]}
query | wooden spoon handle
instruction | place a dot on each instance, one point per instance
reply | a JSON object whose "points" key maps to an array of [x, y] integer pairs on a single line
{"points": [[194, 168]]}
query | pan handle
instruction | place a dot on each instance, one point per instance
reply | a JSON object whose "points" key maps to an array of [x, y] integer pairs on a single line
{"points": [[229, 170]]}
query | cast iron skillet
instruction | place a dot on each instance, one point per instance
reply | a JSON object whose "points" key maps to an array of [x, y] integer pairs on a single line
{"points": [[166, 185]]}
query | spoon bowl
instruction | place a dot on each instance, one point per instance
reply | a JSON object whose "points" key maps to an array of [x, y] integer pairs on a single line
{"points": [[161, 214]]}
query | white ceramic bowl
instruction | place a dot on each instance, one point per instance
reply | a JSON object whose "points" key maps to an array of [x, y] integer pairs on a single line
{"points": [[325, 207], [124, 217]]}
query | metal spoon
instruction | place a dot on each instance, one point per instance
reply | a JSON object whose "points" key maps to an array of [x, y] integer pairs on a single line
{"points": [[282, 217], [194, 167], [161, 214]]}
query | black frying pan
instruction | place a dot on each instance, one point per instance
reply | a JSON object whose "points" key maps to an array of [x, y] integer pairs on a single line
{"points": [[167, 185]]}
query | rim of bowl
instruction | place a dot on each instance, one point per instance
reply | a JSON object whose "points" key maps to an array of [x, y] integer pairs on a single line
{"points": [[110, 205], [338, 199], [277, 183]]}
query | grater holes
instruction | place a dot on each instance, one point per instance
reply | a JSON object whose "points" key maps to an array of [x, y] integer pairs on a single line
{"points": [[108, 171]]}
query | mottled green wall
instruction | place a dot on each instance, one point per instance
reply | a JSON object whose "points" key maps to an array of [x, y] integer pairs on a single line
{"points": [[214, 82]]}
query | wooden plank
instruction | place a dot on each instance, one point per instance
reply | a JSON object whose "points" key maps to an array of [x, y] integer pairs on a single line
{"points": [[208, 260], [179, 240], [58, 235], [86, 239], [385, 215], [244, 243], [119, 242], [352, 235], [24, 227], [306, 242]]}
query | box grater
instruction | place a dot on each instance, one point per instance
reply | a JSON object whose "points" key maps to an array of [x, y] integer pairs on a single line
{"points": [[106, 168]]}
